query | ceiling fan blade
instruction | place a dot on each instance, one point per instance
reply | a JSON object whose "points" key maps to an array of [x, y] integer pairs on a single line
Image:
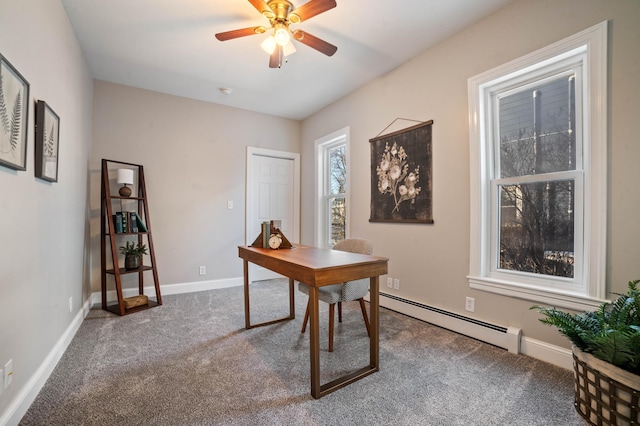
{"points": [[228, 35], [311, 9], [275, 61], [263, 8], [315, 42]]}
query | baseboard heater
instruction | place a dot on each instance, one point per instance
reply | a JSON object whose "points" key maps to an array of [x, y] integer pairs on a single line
{"points": [[503, 337]]}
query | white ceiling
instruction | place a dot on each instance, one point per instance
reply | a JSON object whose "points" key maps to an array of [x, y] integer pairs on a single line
{"points": [[169, 46]]}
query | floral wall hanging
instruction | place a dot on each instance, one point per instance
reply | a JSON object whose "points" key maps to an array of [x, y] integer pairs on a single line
{"points": [[401, 176]]}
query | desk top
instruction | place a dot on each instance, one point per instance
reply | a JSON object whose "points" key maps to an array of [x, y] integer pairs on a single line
{"points": [[316, 266]]}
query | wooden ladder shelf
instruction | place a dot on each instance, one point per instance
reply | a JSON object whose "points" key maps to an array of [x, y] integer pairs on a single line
{"points": [[111, 238]]}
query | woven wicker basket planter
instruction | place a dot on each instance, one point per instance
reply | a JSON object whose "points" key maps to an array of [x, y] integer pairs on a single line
{"points": [[604, 393]]}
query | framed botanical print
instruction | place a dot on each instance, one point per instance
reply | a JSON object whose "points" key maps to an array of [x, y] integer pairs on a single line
{"points": [[401, 178], [14, 113], [47, 136]]}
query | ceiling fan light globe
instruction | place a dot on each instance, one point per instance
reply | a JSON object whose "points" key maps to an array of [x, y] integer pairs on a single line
{"points": [[288, 49], [282, 36], [269, 44]]}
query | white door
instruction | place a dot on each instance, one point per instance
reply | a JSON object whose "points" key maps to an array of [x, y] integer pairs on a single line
{"points": [[273, 193]]}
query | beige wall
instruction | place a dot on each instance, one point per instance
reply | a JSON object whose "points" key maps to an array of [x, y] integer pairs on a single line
{"points": [[194, 156], [42, 232], [432, 261]]}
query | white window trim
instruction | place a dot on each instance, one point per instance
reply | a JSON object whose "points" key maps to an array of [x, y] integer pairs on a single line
{"points": [[320, 213], [594, 42]]}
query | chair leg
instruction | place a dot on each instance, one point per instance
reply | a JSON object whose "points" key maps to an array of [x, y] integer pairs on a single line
{"points": [[340, 311], [306, 319], [332, 312], [364, 315]]}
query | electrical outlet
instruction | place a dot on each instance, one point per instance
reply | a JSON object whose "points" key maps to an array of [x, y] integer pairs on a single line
{"points": [[470, 304], [70, 304], [389, 282], [203, 270], [230, 205], [8, 373], [396, 283]]}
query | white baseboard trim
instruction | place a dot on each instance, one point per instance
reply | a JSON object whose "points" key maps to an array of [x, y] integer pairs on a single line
{"points": [[552, 354], [509, 338], [25, 397]]}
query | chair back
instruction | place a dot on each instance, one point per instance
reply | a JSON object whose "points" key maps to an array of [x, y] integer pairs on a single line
{"points": [[354, 245], [354, 290]]}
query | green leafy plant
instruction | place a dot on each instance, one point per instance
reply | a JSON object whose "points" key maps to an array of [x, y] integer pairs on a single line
{"points": [[611, 333], [132, 249]]}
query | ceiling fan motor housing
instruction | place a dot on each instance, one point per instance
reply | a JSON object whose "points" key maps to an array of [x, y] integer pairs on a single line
{"points": [[280, 10]]}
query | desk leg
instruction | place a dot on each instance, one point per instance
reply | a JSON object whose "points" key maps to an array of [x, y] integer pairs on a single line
{"points": [[247, 319], [247, 311], [314, 342], [374, 341], [292, 299], [374, 307]]}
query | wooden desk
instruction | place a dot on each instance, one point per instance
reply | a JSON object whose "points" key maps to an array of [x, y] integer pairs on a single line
{"points": [[319, 267]]}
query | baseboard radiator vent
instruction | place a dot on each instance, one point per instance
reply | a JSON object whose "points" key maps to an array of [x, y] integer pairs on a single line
{"points": [[503, 337]]}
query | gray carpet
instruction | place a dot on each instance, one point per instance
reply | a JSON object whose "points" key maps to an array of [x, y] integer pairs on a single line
{"points": [[191, 362]]}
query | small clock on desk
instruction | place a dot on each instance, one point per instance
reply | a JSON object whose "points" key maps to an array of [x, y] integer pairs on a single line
{"points": [[274, 241]]}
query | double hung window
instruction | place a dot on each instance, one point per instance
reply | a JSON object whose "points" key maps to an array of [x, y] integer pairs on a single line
{"points": [[538, 164], [332, 168]]}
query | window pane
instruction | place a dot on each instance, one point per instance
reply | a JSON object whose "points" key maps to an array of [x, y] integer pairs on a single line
{"points": [[537, 228], [537, 129], [338, 217], [337, 170]]}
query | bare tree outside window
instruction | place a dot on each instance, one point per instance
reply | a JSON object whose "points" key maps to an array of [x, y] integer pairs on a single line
{"points": [[537, 139], [337, 190]]}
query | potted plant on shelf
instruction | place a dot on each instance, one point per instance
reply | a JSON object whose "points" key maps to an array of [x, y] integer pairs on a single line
{"points": [[133, 254], [606, 357]]}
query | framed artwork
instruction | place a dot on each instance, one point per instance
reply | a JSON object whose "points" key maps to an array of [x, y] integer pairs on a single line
{"points": [[47, 136], [14, 113], [401, 176]]}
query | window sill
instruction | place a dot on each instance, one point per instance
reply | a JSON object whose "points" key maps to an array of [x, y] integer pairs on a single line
{"points": [[558, 299]]}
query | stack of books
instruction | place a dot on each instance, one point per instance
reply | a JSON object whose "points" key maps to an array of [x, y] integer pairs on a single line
{"points": [[128, 222]]}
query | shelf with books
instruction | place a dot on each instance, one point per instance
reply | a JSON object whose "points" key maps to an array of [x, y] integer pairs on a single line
{"points": [[128, 222]]}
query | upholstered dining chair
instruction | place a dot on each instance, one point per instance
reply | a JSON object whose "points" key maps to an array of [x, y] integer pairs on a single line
{"points": [[342, 292]]}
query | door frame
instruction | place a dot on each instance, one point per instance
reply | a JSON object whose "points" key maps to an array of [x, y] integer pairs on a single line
{"points": [[253, 152]]}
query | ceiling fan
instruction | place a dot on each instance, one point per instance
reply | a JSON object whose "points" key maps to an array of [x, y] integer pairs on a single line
{"points": [[281, 14]]}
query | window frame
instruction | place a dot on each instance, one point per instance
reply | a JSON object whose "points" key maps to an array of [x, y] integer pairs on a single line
{"points": [[587, 289], [323, 195]]}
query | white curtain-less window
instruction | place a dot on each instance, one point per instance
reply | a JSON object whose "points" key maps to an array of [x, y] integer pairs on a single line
{"points": [[332, 186], [538, 174]]}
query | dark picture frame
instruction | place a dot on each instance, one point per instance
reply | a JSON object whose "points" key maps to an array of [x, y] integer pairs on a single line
{"points": [[401, 176], [47, 142], [14, 116]]}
